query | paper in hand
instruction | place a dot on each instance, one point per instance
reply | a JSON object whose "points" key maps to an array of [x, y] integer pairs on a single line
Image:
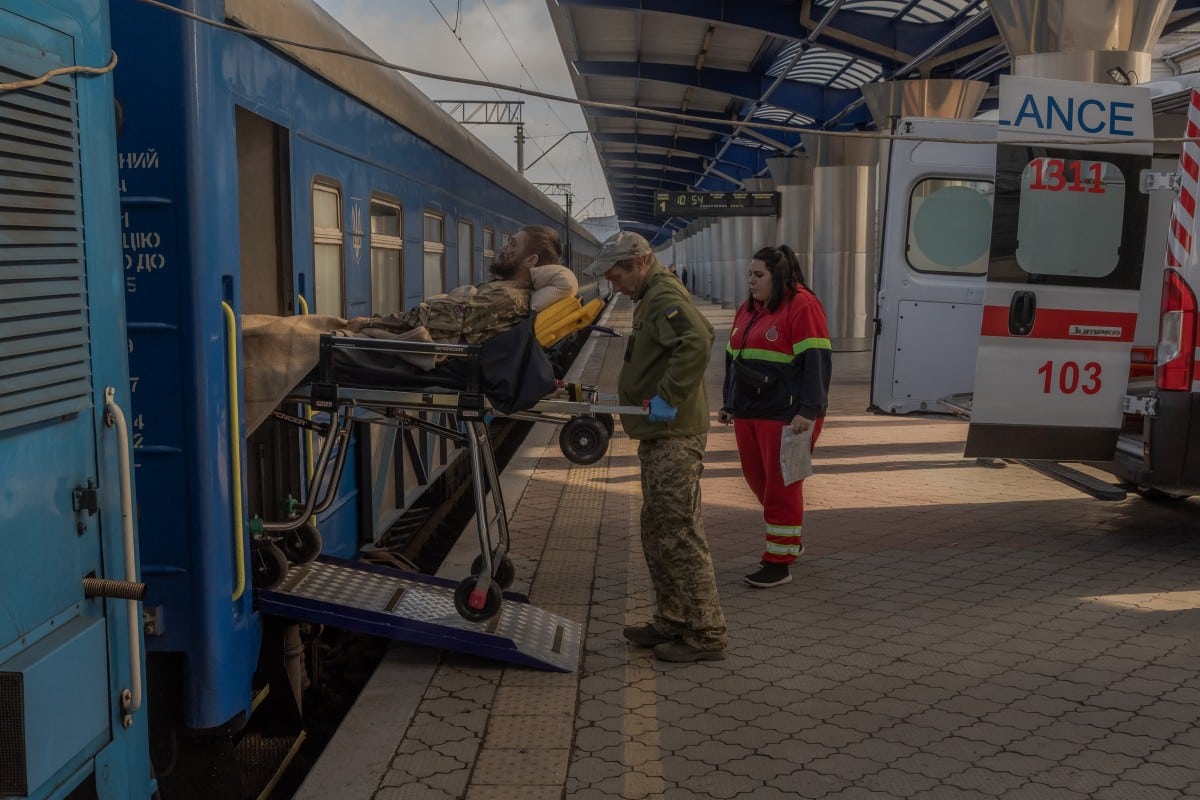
{"points": [[795, 455]]}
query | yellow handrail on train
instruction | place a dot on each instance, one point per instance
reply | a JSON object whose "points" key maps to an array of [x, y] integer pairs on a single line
{"points": [[235, 449], [308, 414]]}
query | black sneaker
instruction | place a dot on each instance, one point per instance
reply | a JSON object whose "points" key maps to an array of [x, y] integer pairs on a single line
{"points": [[646, 635], [768, 575]]}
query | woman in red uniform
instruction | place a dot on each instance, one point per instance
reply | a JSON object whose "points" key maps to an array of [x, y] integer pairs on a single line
{"points": [[777, 370]]}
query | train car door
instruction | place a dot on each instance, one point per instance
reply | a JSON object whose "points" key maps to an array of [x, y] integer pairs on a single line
{"points": [[933, 263], [70, 663], [1068, 233]]}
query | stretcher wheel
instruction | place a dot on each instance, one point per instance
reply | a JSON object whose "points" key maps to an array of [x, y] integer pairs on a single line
{"points": [[506, 571], [268, 564], [608, 422], [583, 440], [301, 545], [474, 606]]}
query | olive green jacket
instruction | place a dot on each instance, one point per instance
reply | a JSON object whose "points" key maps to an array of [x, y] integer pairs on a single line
{"points": [[667, 355]]}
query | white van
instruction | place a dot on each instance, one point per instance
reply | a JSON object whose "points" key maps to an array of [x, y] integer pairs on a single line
{"points": [[1022, 282]]}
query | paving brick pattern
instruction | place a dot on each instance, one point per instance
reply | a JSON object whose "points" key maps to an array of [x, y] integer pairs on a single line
{"points": [[952, 631]]}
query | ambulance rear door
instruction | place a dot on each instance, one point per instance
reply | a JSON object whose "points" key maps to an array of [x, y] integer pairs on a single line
{"points": [[1061, 305], [933, 263]]}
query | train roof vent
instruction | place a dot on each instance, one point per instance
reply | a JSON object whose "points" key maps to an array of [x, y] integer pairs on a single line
{"points": [[45, 364]]}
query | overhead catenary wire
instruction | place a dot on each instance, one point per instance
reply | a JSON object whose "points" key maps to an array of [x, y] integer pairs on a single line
{"points": [[645, 112]]}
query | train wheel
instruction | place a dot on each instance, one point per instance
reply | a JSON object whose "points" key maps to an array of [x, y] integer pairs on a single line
{"points": [[506, 571], [466, 598], [301, 545], [268, 564], [583, 440], [608, 422]]}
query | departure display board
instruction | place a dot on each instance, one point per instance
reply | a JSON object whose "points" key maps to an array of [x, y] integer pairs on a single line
{"points": [[716, 204]]}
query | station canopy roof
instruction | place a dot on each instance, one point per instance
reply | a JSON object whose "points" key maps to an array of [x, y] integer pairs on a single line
{"points": [[796, 63]]}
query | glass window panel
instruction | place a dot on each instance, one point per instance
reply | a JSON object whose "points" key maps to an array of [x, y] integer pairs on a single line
{"points": [[326, 208], [385, 219], [433, 229], [466, 252], [1070, 218], [435, 272], [327, 266], [387, 284], [950, 226]]}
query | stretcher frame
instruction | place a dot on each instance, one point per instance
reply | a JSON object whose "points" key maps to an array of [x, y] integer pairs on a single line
{"points": [[478, 596]]}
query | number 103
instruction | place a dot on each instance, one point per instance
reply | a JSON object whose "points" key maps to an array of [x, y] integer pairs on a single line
{"points": [[1071, 377]]}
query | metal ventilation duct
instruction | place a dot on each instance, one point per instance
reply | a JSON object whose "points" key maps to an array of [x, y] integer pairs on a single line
{"points": [[944, 98], [1081, 40]]}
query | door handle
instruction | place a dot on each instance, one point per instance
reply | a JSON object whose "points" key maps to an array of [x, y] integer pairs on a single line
{"points": [[1021, 313]]}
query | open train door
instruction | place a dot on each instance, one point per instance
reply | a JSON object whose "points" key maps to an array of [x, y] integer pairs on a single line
{"points": [[1068, 232]]}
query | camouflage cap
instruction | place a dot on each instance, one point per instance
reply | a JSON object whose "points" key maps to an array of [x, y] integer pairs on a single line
{"points": [[618, 247]]}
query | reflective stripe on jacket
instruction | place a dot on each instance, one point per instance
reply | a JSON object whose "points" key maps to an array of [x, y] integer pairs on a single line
{"points": [[778, 363]]}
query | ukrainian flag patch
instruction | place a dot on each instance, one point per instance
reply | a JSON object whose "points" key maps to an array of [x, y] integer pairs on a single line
{"points": [[672, 312]]}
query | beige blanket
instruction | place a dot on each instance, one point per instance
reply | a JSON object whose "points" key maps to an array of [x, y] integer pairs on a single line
{"points": [[277, 352]]}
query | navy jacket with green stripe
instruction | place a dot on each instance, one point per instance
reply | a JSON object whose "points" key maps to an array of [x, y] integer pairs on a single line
{"points": [[783, 360]]}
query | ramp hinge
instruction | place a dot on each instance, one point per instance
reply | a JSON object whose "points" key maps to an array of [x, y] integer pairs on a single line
{"points": [[85, 500], [1152, 181], [1142, 405]]}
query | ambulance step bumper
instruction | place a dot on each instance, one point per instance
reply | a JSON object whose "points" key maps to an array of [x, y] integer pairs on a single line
{"points": [[419, 609], [1088, 484]]}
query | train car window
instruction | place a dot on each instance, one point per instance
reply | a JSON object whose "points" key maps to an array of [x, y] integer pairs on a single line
{"points": [[387, 257], [489, 247], [327, 250], [435, 254], [466, 252], [950, 226]]}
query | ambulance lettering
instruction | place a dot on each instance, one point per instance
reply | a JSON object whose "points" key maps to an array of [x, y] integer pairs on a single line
{"points": [[1091, 115]]}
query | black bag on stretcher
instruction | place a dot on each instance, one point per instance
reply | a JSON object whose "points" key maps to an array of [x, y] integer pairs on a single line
{"points": [[514, 371]]}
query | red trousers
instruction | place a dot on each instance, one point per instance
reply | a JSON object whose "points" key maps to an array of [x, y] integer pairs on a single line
{"points": [[783, 506]]}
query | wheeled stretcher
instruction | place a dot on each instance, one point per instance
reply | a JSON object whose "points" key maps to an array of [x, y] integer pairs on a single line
{"points": [[370, 381]]}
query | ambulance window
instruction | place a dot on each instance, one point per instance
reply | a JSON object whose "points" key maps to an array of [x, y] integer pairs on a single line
{"points": [[949, 226], [1070, 217]]}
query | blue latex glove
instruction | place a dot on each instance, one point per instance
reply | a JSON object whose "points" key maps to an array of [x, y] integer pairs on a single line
{"points": [[661, 410]]}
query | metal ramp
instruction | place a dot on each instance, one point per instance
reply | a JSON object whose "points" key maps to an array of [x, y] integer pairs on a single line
{"points": [[419, 609]]}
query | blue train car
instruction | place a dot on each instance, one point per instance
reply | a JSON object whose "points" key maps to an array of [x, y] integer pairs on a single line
{"points": [[257, 179], [71, 716]]}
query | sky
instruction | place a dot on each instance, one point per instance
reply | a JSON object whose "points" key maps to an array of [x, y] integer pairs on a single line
{"points": [[514, 43]]}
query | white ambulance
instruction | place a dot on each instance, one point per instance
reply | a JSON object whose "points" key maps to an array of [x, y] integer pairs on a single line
{"points": [[1022, 283]]}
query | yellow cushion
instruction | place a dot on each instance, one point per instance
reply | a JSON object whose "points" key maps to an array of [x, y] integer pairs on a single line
{"points": [[563, 318]]}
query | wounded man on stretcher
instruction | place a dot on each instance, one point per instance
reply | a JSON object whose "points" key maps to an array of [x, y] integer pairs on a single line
{"points": [[280, 352]]}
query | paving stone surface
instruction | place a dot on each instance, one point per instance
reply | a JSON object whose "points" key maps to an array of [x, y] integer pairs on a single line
{"points": [[952, 631]]}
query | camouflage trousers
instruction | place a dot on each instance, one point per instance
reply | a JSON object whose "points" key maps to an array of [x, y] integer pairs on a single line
{"points": [[673, 541]]}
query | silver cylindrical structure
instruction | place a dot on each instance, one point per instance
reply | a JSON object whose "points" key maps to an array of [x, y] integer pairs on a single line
{"points": [[844, 215], [729, 258], [793, 178], [707, 249], [944, 98], [843, 260], [1081, 40]]}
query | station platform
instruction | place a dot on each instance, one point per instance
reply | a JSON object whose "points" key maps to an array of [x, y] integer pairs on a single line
{"points": [[952, 631]]}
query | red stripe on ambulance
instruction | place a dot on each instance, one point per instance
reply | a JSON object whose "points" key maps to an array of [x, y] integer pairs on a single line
{"points": [[1065, 323]]}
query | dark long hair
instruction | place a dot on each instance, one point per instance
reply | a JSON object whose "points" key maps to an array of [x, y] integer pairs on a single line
{"points": [[545, 243], [784, 267]]}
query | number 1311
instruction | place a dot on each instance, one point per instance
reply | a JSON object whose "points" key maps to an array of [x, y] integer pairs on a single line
{"points": [[1055, 174]]}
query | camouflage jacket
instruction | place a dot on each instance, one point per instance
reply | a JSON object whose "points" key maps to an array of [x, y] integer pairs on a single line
{"points": [[466, 314]]}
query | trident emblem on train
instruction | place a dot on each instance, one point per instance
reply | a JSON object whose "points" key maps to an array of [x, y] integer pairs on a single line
{"points": [[356, 229]]}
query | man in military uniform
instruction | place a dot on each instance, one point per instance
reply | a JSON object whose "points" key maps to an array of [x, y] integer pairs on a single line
{"points": [[473, 314], [665, 361]]}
